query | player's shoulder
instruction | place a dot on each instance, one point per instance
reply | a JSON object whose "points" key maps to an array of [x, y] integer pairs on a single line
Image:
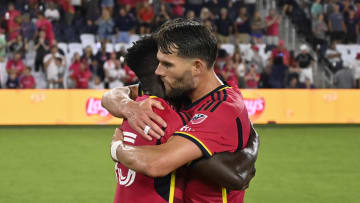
{"points": [[227, 100]]}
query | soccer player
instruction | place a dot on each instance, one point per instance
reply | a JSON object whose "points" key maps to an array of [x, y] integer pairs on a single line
{"points": [[219, 120], [129, 182]]}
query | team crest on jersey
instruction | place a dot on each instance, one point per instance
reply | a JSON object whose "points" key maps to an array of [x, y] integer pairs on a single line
{"points": [[198, 118]]}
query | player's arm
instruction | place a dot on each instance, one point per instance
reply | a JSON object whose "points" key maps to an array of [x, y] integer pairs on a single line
{"points": [[155, 160], [120, 103], [230, 170]]}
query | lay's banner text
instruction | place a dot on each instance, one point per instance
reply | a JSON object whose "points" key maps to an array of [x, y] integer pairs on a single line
{"points": [[83, 107]]}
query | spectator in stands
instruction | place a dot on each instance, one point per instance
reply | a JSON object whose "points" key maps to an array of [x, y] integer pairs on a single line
{"points": [[163, 16], [11, 15], [2, 46], [101, 55], [293, 83], [27, 81], [281, 50], [316, 9], [352, 25], [74, 69], [52, 67], [258, 26], [52, 13], [194, 5], [240, 65], [69, 11], [15, 28], [272, 23], [105, 26], [97, 84], [145, 17], [17, 45], [308, 84], [124, 24], [114, 74], [251, 7], [13, 80], [252, 78], [319, 29], [356, 68], [337, 26], [242, 27], [96, 70], [15, 64], [108, 5], [28, 28], [278, 73], [88, 55], [305, 62], [89, 28], [229, 73], [232, 11], [82, 77], [44, 24], [257, 59], [41, 47], [91, 9], [334, 56], [264, 78], [344, 78], [190, 15], [205, 15], [214, 7], [224, 26]]}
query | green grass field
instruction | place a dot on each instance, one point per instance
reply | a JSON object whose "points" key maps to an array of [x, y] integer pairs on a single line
{"points": [[72, 164]]}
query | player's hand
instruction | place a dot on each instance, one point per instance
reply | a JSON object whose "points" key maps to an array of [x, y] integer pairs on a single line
{"points": [[141, 114]]}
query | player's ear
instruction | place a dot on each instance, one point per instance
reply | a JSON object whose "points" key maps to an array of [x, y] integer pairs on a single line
{"points": [[199, 66]]}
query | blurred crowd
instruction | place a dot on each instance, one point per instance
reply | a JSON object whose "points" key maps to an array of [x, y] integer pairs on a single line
{"points": [[31, 32], [331, 24]]}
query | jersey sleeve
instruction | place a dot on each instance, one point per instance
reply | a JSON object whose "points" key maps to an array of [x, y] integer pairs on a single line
{"points": [[172, 118], [213, 132]]}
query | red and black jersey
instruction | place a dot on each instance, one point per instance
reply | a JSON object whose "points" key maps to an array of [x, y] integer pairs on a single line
{"points": [[136, 187], [219, 123]]}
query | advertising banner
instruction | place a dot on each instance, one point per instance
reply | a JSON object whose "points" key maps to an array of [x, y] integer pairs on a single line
{"points": [[83, 107]]}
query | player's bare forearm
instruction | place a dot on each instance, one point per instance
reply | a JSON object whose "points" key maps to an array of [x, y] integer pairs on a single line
{"points": [[231, 170], [157, 160], [117, 99]]}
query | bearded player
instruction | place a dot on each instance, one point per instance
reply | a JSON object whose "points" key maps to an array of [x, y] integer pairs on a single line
{"points": [[220, 167]]}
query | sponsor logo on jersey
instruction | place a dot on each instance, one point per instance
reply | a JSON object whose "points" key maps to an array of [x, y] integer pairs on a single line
{"points": [[198, 118]]}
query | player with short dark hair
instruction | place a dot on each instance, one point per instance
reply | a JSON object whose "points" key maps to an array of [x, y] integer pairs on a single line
{"points": [[135, 63]]}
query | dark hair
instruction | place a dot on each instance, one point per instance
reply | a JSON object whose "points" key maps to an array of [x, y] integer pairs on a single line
{"points": [[141, 57], [189, 38]]}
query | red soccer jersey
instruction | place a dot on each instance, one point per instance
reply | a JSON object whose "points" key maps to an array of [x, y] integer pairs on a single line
{"points": [[220, 123], [27, 82], [136, 187]]}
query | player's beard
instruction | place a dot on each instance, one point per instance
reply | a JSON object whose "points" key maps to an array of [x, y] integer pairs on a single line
{"points": [[180, 87]]}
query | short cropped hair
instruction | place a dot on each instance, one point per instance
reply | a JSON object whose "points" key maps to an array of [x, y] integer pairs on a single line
{"points": [[141, 57], [189, 38]]}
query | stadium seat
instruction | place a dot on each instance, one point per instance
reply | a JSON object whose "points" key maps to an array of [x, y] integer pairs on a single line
{"points": [[134, 38], [229, 48], [119, 46], [94, 47], [87, 39], [109, 47], [63, 47]]}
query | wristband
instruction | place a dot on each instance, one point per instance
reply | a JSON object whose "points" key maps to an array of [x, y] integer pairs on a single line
{"points": [[114, 147]]}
